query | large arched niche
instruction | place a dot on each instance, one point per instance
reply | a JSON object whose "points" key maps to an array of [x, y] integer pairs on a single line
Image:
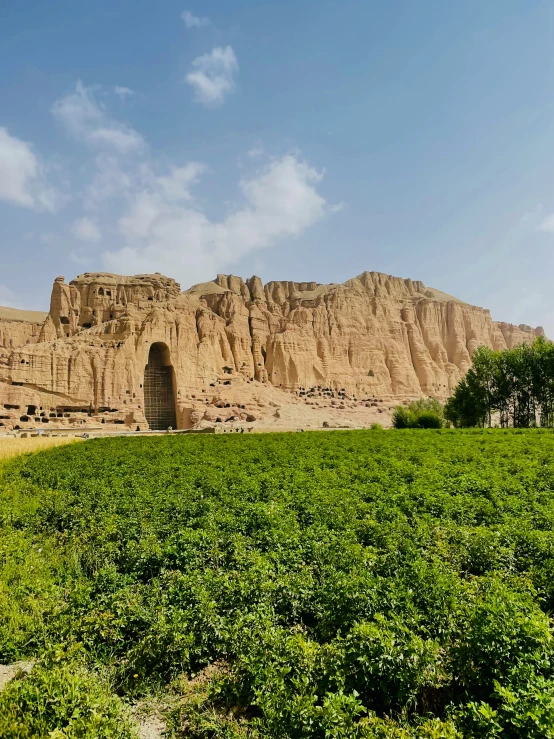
{"points": [[159, 389]]}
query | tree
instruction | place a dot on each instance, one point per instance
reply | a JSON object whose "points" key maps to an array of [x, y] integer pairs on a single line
{"points": [[466, 408], [542, 373], [513, 386], [482, 379]]}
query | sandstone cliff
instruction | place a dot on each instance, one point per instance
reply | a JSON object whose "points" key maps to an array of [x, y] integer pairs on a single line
{"points": [[18, 327], [366, 343]]}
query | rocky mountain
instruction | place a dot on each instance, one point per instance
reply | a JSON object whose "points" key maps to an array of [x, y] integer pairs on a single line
{"points": [[138, 352]]}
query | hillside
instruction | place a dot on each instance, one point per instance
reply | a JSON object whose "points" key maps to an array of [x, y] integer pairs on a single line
{"points": [[235, 351]]}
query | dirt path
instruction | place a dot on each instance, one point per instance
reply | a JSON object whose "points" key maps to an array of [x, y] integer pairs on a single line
{"points": [[8, 672]]}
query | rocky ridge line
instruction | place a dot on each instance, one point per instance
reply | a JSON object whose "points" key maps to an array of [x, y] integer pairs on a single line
{"points": [[363, 344]]}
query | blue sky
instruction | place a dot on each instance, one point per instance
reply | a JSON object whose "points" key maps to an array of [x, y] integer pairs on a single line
{"points": [[296, 140]]}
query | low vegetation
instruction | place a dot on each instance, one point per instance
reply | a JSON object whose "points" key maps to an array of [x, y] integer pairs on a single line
{"points": [[61, 701], [366, 584], [424, 413]]}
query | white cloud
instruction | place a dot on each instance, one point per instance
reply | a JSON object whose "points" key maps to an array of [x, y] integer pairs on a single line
{"points": [[85, 230], [123, 92], [22, 178], [212, 75], [547, 225], [193, 21], [337, 207], [88, 121], [161, 225], [176, 186], [109, 181], [256, 152], [18, 167], [166, 233]]}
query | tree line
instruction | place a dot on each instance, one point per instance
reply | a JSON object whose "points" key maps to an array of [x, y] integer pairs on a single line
{"points": [[511, 387]]}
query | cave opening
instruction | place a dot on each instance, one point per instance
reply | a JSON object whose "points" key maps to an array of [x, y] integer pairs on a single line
{"points": [[159, 393]]}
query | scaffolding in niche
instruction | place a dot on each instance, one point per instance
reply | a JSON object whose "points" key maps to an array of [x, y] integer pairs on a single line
{"points": [[159, 396]]}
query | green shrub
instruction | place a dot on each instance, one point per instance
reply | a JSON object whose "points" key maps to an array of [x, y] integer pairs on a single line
{"points": [[499, 623], [525, 708], [428, 420], [402, 418], [425, 413], [427, 405], [61, 702], [390, 666]]}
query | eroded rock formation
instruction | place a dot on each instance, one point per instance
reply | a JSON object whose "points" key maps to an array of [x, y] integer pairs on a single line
{"points": [[372, 340]]}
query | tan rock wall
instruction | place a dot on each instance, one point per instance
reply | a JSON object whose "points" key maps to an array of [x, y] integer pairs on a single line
{"points": [[375, 335], [18, 333]]}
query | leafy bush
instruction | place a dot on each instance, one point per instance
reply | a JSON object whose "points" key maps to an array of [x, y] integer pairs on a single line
{"points": [[427, 405], [428, 420], [424, 413], [61, 702], [402, 418]]}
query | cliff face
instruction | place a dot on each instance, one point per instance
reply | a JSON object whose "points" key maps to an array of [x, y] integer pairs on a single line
{"points": [[373, 337]]}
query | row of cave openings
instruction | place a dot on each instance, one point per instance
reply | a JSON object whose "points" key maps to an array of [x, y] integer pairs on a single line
{"points": [[108, 293], [159, 394]]}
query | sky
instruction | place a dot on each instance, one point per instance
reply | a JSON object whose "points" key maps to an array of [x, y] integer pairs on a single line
{"points": [[305, 141]]}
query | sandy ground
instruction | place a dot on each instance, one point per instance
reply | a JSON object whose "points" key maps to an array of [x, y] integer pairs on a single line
{"points": [[264, 407], [8, 672], [150, 727], [15, 314]]}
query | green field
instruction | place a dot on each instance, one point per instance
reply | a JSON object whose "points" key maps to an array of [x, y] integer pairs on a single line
{"points": [[339, 584]]}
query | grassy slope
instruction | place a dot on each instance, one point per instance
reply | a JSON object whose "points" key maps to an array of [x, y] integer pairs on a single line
{"points": [[371, 584]]}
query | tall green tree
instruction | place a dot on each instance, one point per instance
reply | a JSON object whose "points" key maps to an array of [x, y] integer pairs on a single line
{"points": [[512, 387], [465, 408], [482, 379], [543, 380]]}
